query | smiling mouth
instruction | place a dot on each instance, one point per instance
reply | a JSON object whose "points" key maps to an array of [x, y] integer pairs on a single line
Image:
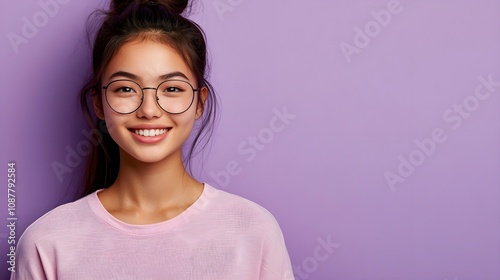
{"points": [[150, 132]]}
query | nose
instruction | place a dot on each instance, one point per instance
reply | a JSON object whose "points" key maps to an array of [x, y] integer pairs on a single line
{"points": [[149, 108]]}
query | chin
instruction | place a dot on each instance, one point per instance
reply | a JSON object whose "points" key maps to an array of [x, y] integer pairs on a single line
{"points": [[152, 156]]}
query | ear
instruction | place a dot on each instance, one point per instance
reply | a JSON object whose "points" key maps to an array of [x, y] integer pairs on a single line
{"points": [[201, 102], [97, 104]]}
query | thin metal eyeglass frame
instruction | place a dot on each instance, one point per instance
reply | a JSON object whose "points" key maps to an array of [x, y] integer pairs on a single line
{"points": [[150, 88]]}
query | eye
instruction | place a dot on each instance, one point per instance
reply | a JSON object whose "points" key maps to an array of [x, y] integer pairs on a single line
{"points": [[173, 89], [125, 90]]}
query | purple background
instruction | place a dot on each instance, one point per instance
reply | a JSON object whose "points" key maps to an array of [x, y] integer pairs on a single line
{"points": [[357, 117]]}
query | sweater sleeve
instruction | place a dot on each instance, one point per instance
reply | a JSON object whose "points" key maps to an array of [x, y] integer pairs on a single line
{"points": [[276, 261], [28, 260]]}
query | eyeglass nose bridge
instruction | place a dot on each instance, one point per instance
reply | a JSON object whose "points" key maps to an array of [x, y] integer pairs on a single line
{"points": [[156, 94]]}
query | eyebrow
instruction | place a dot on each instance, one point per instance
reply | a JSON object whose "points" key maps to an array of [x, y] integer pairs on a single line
{"points": [[135, 77]]}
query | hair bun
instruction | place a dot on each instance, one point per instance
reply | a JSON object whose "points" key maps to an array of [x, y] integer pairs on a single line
{"points": [[174, 6]]}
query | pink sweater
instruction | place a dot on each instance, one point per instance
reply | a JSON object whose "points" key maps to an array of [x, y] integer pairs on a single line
{"points": [[221, 236]]}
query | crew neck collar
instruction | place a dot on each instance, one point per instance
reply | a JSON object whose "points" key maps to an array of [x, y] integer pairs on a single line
{"points": [[197, 207]]}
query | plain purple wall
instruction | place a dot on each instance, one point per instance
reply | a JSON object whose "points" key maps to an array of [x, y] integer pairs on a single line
{"points": [[372, 126]]}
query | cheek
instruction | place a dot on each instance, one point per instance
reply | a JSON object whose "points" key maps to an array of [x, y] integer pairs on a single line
{"points": [[112, 130], [185, 120], [112, 122]]}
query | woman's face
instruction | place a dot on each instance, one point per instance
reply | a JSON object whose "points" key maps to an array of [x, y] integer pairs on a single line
{"points": [[148, 134]]}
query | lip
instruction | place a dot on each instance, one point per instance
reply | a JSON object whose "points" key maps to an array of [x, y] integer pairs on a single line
{"points": [[148, 126], [149, 139]]}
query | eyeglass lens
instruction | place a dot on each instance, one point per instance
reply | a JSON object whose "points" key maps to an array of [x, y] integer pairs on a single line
{"points": [[126, 96]]}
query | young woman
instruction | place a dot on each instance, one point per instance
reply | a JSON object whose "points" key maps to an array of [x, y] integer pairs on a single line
{"points": [[143, 215]]}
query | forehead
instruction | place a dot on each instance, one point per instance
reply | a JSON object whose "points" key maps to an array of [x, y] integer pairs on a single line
{"points": [[148, 60]]}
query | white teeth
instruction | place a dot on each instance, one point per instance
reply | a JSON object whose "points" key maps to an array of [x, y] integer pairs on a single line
{"points": [[150, 132]]}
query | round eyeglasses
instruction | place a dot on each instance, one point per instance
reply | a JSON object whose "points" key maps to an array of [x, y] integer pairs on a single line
{"points": [[126, 96]]}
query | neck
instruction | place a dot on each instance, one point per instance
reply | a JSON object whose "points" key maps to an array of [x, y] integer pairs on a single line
{"points": [[154, 185]]}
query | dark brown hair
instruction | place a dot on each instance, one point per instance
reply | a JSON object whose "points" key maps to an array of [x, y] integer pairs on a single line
{"points": [[127, 20]]}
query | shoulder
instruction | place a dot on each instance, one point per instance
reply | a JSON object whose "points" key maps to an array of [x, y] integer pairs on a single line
{"points": [[244, 210], [261, 227], [57, 221]]}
